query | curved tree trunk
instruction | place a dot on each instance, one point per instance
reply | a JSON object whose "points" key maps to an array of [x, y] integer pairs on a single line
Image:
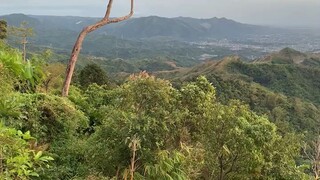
{"points": [[78, 45]]}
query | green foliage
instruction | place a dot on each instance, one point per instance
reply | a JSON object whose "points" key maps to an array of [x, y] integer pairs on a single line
{"points": [[169, 167], [242, 145], [142, 107], [197, 100], [262, 87], [12, 61], [92, 73], [312, 62], [3, 29], [10, 107], [147, 129], [23, 31], [6, 81], [27, 75], [48, 117], [17, 159], [156, 65], [54, 121], [289, 114], [287, 93], [228, 141], [291, 80], [54, 77]]}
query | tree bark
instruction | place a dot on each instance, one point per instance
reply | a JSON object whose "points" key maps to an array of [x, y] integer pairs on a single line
{"points": [[314, 157], [133, 159], [221, 173], [78, 45], [24, 49]]}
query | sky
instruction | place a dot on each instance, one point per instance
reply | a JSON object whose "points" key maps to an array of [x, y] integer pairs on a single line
{"points": [[293, 13]]}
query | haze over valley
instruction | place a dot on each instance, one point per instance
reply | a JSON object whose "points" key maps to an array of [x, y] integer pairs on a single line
{"points": [[185, 41]]}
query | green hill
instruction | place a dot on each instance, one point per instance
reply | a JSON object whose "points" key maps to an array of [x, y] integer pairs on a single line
{"points": [[287, 91], [148, 128], [147, 27]]}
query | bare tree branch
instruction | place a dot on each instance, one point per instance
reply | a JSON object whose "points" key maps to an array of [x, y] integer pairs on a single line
{"points": [[78, 45], [108, 12], [314, 157]]}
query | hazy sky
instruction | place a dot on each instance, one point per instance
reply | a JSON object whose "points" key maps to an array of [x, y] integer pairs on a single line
{"points": [[266, 12]]}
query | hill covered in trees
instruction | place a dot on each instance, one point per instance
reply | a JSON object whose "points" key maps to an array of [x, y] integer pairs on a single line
{"points": [[281, 85], [225, 119], [181, 28]]}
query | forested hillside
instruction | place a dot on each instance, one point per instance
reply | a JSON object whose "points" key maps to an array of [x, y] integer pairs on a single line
{"points": [[145, 27], [285, 90], [231, 124]]}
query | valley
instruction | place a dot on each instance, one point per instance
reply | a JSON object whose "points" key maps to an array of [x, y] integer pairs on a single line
{"points": [[184, 41]]}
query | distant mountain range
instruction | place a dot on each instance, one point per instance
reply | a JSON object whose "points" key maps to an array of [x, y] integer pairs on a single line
{"points": [[181, 28], [181, 40]]}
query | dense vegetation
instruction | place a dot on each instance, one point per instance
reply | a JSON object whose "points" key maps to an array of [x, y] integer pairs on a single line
{"points": [[286, 92], [3, 29], [242, 121]]}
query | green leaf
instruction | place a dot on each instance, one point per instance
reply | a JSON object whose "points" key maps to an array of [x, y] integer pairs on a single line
{"points": [[38, 155]]}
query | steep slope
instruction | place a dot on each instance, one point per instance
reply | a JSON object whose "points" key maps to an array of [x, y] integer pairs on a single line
{"points": [[285, 56], [288, 93], [291, 56], [289, 79], [17, 19], [293, 73]]}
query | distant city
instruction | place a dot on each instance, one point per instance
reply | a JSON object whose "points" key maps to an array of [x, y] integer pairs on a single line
{"points": [[264, 44], [186, 39]]}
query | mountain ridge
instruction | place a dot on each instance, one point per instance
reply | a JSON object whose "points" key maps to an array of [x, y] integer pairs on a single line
{"points": [[294, 75], [182, 28]]}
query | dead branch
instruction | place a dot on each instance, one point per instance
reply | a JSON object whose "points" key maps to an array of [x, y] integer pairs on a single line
{"points": [[78, 45]]}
